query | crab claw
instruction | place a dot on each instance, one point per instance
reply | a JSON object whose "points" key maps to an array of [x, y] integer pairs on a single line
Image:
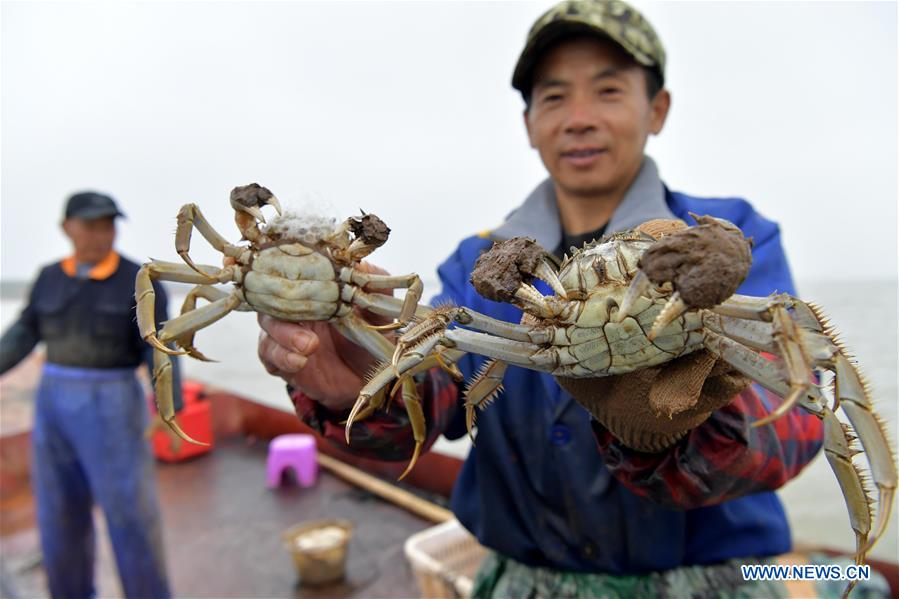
{"points": [[705, 264], [532, 300], [529, 294], [274, 203], [638, 287], [546, 273], [254, 211], [251, 198], [674, 308]]}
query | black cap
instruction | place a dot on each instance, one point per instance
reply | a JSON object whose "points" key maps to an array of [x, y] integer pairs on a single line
{"points": [[90, 205]]}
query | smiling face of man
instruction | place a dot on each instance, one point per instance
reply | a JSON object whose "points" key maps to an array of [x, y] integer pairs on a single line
{"points": [[589, 117]]}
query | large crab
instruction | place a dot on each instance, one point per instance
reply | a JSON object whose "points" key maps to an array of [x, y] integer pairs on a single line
{"points": [[641, 298], [293, 268]]}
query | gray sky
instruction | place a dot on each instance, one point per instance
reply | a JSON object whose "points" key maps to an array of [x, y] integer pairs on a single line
{"points": [[405, 110]]}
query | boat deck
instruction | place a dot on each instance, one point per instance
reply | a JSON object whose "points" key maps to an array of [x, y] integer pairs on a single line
{"points": [[222, 531], [221, 525]]}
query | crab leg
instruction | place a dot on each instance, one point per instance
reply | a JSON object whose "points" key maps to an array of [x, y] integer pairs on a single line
{"points": [[210, 294], [440, 318], [851, 394], [165, 404], [787, 339], [191, 322], [410, 365], [412, 284], [482, 390], [546, 273], [445, 360], [759, 308], [757, 335], [189, 217], [354, 328], [145, 296], [839, 455], [767, 373], [179, 273], [416, 417], [186, 324], [374, 402], [853, 397], [519, 353], [385, 305], [377, 346]]}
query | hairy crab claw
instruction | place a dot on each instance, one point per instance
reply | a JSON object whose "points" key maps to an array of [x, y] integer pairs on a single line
{"points": [[369, 229], [504, 272], [369, 233], [251, 198], [704, 265]]}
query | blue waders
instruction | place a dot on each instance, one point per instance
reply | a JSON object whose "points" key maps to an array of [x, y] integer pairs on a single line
{"points": [[89, 447]]}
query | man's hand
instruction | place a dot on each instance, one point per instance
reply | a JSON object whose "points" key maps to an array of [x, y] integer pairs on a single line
{"points": [[315, 358]]}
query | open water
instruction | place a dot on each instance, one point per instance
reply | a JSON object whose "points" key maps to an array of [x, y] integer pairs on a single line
{"points": [[864, 312]]}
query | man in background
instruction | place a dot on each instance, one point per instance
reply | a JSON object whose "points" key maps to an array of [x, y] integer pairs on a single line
{"points": [[88, 437]]}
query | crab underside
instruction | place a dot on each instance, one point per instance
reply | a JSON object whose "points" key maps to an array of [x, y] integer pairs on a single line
{"points": [[640, 299]]}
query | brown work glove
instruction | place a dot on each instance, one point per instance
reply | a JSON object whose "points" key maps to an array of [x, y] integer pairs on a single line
{"points": [[650, 409]]}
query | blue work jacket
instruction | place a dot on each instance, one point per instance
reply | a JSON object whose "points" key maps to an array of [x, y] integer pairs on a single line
{"points": [[534, 486]]}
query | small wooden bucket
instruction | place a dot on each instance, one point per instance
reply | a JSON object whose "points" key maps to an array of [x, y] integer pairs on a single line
{"points": [[319, 549]]}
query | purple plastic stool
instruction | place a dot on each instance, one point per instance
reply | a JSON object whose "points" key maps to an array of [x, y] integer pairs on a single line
{"points": [[292, 451]]}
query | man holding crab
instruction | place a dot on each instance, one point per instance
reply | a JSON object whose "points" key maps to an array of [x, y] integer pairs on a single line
{"points": [[573, 504]]}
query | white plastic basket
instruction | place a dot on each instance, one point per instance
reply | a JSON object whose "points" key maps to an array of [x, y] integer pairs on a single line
{"points": [[445, 559]]}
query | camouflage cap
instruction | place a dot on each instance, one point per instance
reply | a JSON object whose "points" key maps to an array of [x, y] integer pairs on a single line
{"points": [[612, 19]]}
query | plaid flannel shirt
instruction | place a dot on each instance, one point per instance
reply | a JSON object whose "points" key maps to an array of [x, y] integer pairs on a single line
{"points": [[723, 458]]}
